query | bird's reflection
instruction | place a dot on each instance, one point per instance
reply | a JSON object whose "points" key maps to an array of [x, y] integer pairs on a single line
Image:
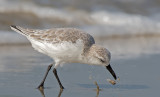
{"points": [[98, 89], [97, 94], [61, 90], [43, 94]]}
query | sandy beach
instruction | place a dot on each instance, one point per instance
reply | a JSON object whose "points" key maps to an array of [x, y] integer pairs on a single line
{"points": [[22, 69]]}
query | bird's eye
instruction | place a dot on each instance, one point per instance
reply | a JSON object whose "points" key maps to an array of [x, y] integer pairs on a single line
{"points": [[102, 60]]}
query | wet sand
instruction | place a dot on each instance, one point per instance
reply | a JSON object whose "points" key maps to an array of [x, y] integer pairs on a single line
{"points": [[22, 69]]}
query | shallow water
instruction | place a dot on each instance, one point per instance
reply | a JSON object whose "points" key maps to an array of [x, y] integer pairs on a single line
{"points": [[22, 69]]}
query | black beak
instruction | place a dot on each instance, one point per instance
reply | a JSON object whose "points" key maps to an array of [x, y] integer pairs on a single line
{"points": [[109, 68]]}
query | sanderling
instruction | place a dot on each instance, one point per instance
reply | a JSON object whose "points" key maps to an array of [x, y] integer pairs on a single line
{"points": [[67, 45]]}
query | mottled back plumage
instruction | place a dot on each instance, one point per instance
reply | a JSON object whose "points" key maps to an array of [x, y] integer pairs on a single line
{"points": [[57, 35]]}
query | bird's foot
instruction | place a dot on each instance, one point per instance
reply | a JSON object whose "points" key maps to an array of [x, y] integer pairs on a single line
{"points": [[61, 87], [40, 86]]}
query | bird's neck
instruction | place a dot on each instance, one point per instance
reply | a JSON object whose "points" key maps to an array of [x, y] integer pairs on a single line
{"points": [[87, 56]]}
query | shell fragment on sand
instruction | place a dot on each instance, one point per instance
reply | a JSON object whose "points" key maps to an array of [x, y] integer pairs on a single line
{"points": [[111, 81]]}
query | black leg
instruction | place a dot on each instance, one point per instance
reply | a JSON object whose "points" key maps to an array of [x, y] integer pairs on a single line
{"points": [[42, 83], [59, 82]]}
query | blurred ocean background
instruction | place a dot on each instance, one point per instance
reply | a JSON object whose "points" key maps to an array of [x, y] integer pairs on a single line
{"points": [[125, 27], [130, 29]]}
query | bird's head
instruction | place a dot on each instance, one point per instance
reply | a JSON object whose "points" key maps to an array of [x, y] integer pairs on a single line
{"points": [[98, 55]]}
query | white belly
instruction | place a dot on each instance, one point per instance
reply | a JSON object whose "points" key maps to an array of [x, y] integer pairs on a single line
{"points": [[65, 52]]}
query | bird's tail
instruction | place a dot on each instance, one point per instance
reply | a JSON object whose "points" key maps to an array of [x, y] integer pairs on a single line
{"points": [[20, 30]]}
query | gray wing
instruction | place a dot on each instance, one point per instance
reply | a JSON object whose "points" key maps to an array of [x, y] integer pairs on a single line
{"points": [[56, 35]]}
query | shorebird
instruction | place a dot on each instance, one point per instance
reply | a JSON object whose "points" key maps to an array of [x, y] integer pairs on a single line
{"points": [[66, 45]]}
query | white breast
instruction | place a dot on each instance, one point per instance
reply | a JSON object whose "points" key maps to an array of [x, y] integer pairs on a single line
{"points": [[64, 52]]}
